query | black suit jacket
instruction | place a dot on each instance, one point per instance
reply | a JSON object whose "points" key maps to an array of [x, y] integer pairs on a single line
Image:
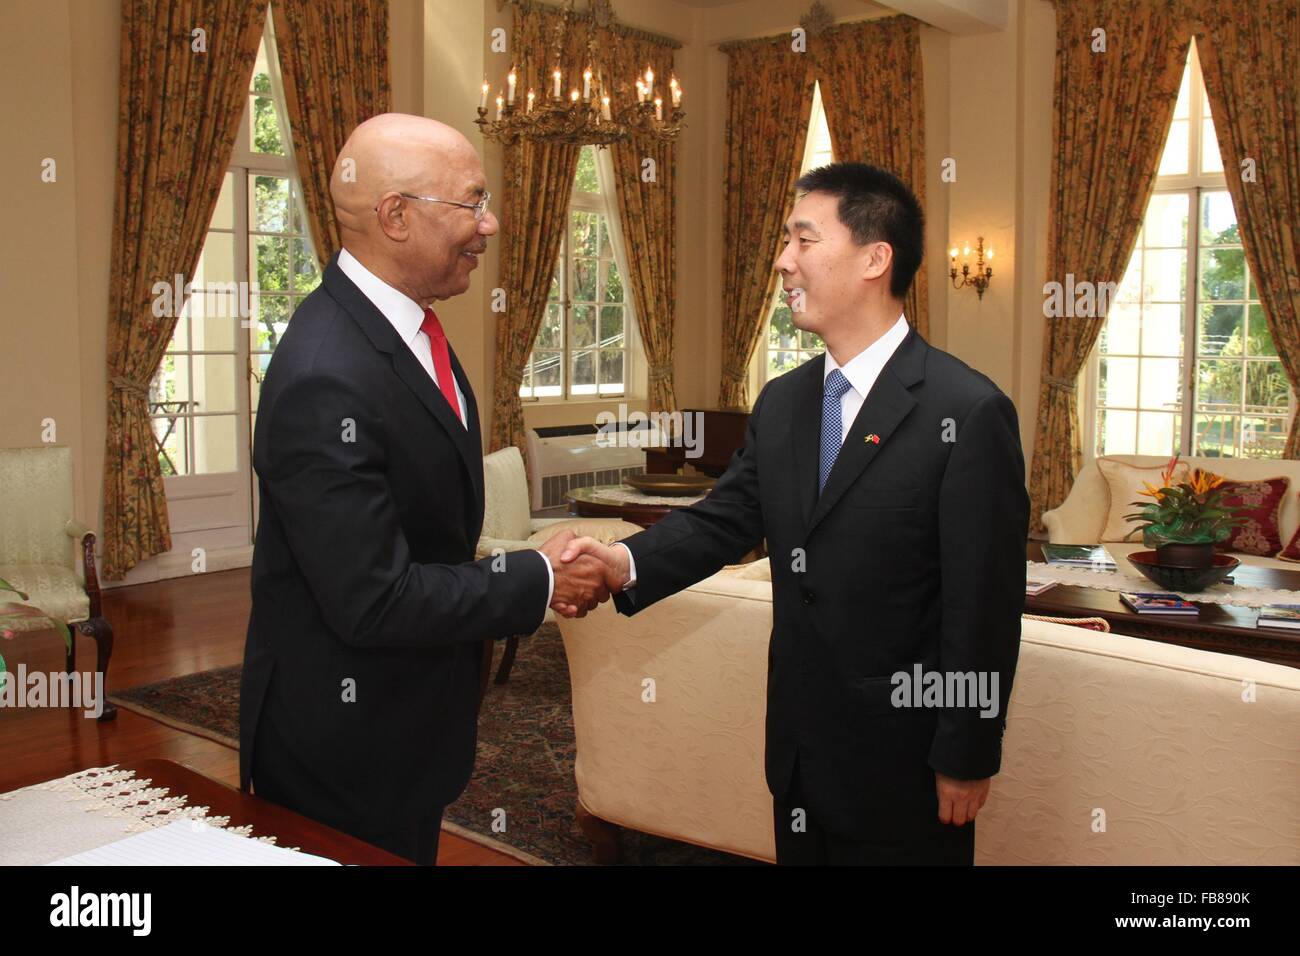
{"points": [[914, 553], [363, 581]]}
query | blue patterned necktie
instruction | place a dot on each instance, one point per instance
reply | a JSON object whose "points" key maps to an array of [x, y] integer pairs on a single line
{"points": [[832, 423]]}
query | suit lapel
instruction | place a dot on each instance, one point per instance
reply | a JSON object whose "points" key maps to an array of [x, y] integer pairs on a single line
{"points": [[807, 434], [384, 337], [883, 410]]}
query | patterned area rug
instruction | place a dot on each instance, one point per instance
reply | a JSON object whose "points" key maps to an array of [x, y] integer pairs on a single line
{"points": [[524, 765]]}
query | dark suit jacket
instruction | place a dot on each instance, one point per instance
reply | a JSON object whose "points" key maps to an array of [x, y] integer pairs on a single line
{"points": [[371, 506], [914, 553]]}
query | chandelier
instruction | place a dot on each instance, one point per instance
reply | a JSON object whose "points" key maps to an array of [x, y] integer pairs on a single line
{"points": [[581, 114]]}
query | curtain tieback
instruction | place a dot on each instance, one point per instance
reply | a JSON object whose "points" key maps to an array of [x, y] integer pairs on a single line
{"points": [[660, 373], [512, 376], [1061, 383], [737, 373], [126, 385]]}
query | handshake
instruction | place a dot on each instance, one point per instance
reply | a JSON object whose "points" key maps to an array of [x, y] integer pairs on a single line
{"points": [[586, 572]]}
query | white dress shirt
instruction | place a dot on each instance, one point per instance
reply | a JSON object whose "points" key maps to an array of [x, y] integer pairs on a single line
{"points": [[406, 316], [862, 371]]}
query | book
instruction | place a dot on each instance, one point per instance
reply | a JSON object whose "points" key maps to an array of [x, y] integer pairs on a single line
{"points": [[1079, 556], [1037, 586], [1280, 615], [1158, 602]]}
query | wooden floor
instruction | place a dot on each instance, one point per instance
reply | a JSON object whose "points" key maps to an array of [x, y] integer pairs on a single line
{"points": [[163, 629]]}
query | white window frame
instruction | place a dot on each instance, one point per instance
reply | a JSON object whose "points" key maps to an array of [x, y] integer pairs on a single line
{"points": [[633, 358]]}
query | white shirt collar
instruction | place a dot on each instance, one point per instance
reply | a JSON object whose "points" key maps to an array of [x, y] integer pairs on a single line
{"points": [[863, 369], [403, 313]]}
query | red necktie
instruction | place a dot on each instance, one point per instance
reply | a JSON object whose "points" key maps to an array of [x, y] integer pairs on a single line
{"points": [[441, 359]]}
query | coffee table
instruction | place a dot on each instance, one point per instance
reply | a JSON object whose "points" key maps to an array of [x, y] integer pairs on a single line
{"points": [[1226, 628]]}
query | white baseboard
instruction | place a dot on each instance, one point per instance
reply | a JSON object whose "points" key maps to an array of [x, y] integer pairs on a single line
{"points": [[180, 565]]}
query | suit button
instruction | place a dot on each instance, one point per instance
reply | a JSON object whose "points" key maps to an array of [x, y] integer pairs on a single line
{"points": [[807, 596]]}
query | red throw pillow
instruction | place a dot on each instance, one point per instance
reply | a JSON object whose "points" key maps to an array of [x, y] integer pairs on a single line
{"points": [[1259, 502]]}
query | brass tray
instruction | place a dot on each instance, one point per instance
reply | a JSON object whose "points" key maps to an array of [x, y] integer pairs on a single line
{"points": [[671, 486]]}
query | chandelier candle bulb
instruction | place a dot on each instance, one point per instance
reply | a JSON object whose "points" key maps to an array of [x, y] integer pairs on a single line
{"points": [[649, 82], [586, 84], [659, 108], [604, 107], [555, 77], [573, 95], [511, 79], [531, 96], [482, 100], [500, 104]]}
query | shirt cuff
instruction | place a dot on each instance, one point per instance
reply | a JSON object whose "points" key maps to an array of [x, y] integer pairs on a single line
{"points": [[631, 566], [550, 580]]}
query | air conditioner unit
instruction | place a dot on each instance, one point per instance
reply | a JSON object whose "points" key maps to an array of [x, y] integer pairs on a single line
{"points": [[566, 457]]}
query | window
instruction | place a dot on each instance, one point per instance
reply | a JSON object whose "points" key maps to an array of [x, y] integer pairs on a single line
{"points": [[787, 347], [256, 265], [583, 348], [1187, 319]]}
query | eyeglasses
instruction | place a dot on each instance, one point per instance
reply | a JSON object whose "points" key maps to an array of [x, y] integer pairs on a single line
{"points": [[480, 207]]}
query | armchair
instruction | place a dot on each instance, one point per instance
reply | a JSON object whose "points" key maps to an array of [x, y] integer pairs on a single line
{"points": [[47, 553]]}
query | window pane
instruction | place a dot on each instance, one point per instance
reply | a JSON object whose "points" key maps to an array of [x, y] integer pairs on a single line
{"points": [[1260, 341], [272, 263], [1223, 274], [583, 331], [1164, 278], [214, 317], [585, 227], [270, 201], [1166, 221], [548, 336], [1218, 330], [584, 280], [1162, 330], [586, 180], [1118, 431], [265, 132], [305, 275], [612, 283], [1157, 433], [611, 370], [1119, 381], [214, 384], [1119, 335], [217, 261], [553, 294], [1218, 218], [1173, 161], [1263, 437], [584, 373], [171, 383], [1266, 386], [1160, 382], [546, 374], [1218, 382], [1211, 161], [611, 325], [270, 319], [215, 444], [1215, 436], [171, 432]]}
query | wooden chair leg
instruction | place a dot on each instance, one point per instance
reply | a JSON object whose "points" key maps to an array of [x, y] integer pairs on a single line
{"points": [[99, 629], [507, 659], [603, 836]]}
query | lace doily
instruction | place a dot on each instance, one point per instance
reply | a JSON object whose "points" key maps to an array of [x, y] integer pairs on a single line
{"points": [[88, 809], [1241, 594]]}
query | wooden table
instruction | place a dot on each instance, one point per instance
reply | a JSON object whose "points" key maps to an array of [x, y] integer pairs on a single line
{"points": [[267, 819], [1225, 628], [593, 502]]}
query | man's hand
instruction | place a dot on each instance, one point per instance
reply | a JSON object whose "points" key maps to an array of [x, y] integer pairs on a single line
{"points": [[960, 800], [580, 582], [585, 552]]}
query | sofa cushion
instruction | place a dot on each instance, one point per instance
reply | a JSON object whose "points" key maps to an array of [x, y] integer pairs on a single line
{"points": [[1259, 502], [1125, 481]]}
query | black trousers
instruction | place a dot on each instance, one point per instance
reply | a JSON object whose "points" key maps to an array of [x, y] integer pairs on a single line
{"points": [[814, 845], [278, 776]]}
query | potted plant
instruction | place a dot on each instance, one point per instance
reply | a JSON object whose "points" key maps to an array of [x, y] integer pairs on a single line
{"points": [[1185, 519]]}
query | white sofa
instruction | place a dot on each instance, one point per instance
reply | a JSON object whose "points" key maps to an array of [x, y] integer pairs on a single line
{"points": [[1152, 739], [1082, 516]]}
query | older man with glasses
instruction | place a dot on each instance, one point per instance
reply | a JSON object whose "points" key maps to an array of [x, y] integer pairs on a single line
{"points": [[362, 665]]}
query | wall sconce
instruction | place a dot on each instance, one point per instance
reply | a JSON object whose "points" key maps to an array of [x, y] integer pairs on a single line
{"points": [[982, 273]]}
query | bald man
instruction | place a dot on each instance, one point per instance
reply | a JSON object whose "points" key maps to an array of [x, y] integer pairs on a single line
{"points": [[358, 704]]}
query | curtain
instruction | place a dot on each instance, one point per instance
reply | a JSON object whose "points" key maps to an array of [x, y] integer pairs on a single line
{"points": [[1250, 58], [535, 209], [873, 93], [648, 215], [769, 104], [1112, 111], [334, 62], [178, 112]]}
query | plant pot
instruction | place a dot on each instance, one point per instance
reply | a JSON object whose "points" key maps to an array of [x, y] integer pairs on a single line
{"points": [[1179, 555]]}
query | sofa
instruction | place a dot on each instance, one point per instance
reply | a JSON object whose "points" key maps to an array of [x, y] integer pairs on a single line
{"points": [[1117, 750], [1081, 518]]}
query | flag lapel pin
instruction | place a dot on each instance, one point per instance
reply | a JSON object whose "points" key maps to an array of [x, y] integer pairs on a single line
{"points": [[873, 438]]}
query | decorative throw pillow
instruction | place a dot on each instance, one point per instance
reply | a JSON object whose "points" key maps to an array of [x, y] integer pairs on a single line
{"points": [[1260, 503], [1125, 483]]}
